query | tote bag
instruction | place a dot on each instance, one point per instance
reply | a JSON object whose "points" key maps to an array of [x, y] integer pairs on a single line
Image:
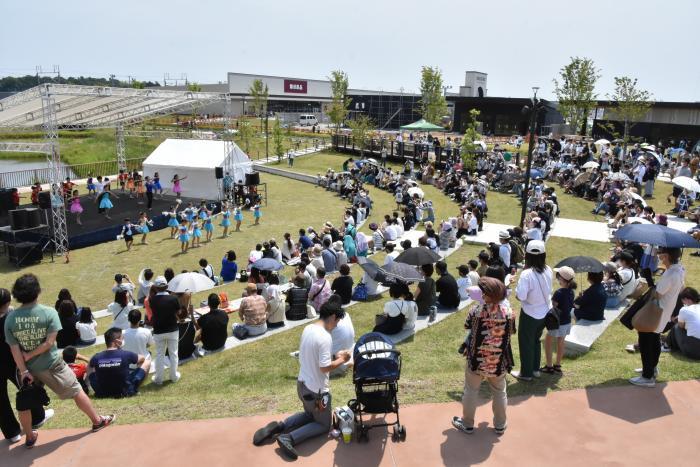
{"points": [[648, 317]]}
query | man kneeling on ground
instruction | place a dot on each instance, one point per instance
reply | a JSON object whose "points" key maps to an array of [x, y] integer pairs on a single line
{"points": [[312, 385], [109, 372]]}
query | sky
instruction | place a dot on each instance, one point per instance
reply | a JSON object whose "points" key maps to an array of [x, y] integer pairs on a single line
{"points": [[381, 44]]}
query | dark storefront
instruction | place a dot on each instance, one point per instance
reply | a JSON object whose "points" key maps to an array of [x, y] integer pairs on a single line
{"points": [[387, 110]]}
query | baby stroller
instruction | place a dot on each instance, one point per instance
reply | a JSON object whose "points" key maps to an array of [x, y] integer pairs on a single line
{"points": [[375, 373]]}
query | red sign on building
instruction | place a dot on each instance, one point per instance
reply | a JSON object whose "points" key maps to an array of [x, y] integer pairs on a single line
{"points": [[295, 86]]}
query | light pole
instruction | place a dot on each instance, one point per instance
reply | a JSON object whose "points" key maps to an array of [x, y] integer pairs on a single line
{"points": [[533, 110]]}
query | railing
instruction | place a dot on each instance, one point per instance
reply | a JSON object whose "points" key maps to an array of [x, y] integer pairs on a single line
{"points": [[395, 149], [20, 178]]}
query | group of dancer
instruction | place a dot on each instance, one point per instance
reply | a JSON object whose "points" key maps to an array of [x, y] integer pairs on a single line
{"points": [[193, 220]]}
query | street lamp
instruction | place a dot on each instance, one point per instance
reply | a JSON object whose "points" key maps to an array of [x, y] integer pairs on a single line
{"points": [[533, 110]]}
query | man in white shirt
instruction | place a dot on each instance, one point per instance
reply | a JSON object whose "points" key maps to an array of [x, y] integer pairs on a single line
{"points": [[315, 359], [463, 282], [145, 283], [137, 339], [390, 253]]}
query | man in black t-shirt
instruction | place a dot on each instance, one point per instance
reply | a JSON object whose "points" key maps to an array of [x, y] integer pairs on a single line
{"points": [[214, 325], [342, 285], [165, 330], [109, 372], [446, 287]]}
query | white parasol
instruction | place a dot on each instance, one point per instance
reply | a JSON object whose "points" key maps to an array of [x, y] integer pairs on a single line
{"points": [[601, 142], [687, 183], [590, 165], [190, 282], [414, 190]]}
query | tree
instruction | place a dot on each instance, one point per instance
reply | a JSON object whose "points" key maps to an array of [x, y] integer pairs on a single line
{"points": [[630, 104], [576, 92], [278, 139], [433, 105], [260, 92], [361, 126], [245, 134], [338, 109], [471, 134], [137, 84]]}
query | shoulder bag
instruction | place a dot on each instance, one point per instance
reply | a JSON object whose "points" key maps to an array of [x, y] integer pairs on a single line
{"points": [[648, 317], [552, 318]]}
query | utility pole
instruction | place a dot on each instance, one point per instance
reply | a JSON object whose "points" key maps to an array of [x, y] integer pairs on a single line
{"points": [[533, 109]]}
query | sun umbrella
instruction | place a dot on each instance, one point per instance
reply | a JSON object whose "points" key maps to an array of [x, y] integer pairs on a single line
{"points": [[581, 264], [618, 177], [418, 256], [373, 270], [402, 272], [190, 282], [654, 153], [481, 143], [618, 140], [590, 165], [637, 197], [602, 141], [687, 183], [268, 264], [415, 191], [655, 234]]}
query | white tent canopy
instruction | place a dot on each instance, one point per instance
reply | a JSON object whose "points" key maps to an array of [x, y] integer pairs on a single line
{"points": [[197, 160]]}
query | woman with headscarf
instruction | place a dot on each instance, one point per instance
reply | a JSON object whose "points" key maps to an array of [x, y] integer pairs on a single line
{"points": [[349, 244], [489, 354]]}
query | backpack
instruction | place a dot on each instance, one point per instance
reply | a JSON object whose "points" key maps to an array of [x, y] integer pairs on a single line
{"points": [[517, 253]]}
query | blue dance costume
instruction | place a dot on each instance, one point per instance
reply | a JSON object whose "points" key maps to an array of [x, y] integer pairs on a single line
{"points": [[257, 213], [184, 236], [226, 220], [156, 183], [196, 231], [238, 215], [189, 214], [144, 226], [105, 202], [208, 225], [173, 220]]}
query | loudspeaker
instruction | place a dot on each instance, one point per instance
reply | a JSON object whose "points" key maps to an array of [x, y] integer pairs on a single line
{"points": [[33, 217], [219, 172], [24, 254], [252, 178], [45, 199], [6, 203], [18, 219]]}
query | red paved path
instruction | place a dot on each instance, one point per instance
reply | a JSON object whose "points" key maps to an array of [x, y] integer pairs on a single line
{"points": [[600, 426]]}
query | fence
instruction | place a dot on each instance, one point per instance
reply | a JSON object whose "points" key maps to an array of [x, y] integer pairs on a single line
{"points": [[20, 178]]}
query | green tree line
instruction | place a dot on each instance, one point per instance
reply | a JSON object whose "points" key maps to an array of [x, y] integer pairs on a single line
{"points": [[22, 83]]}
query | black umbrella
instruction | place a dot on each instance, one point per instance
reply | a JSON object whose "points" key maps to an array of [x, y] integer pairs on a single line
{"points": [[373, 270], [402, 272], [418, 256], [581, 264]]}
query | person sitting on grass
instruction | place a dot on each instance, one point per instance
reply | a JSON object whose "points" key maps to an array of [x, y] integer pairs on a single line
{"points": [[563, 300], [446, 286], [275, 303], [187, 328], [253, 312], [70, 355], [590, 304], [137, 338], [68, 335], [297, 297], [229, 268], [320, 289], [109, 371], [684, 336], [213, 325], [342, 285], [120, 308]]}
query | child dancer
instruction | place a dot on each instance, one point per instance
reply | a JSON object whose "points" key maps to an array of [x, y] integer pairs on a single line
{"points": [[157, 187], [172, 222], [190, 213], [104, 201], [122, 179], [75, 206], [196, 233], [128, 233], [238, 217], [184, 237], [203, 212], [226, 219], [177, 189], [209, 227], [91, 184], [144, 223], [140, 189], [130, 185], [257, 213]]}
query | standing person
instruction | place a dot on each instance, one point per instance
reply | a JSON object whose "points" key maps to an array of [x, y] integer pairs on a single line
{"points": [[666, 291], [489, 355], [165, 308], [150, 187], [104, 202], [196, 233], [225, 219], [184, 236], [172, 221], [157, 187], [30, 331], [144, 224], [257, 213], [75, 206], [177, 188], [128, 230], [8, 372], [563, 300], [208, 227], [238, 217], [533, 290], [313, 387]]}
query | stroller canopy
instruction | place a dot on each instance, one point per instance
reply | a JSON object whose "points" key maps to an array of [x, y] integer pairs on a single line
{"points": [[376, 359]]}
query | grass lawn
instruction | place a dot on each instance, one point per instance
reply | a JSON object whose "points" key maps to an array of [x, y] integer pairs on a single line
{"points": [[260, 377]]}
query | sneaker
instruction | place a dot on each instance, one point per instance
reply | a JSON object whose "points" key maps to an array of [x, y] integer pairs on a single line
{"points": [[433, 314], [155, 381], [642, 381], [516, 374], [286, 446], [500, 431], [266, 432], [640, 370], [294, 354], [631, 348], [15, 439], [665, 348], [459, 424], [537, 374], [107, 420], [48, 413], [177, 377], [29, 443]]}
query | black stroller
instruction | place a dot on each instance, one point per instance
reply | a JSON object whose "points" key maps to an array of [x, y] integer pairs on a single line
{"points": [[376, 373]]}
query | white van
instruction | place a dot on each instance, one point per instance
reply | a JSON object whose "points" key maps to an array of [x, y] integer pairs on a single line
{"points": [[308, 120]]}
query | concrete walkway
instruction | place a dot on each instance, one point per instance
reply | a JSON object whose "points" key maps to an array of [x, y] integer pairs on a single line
{"points": [[596, 426]]}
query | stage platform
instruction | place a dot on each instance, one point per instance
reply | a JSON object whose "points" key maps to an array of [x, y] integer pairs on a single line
{"points": [[96, 229]]}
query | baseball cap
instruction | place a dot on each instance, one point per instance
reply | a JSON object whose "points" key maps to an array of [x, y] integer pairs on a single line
{"points": [[160, 281], [535, 247], [565, 272]]}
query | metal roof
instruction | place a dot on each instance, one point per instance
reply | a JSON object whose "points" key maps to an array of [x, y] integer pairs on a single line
{"points": [[96, 106]]}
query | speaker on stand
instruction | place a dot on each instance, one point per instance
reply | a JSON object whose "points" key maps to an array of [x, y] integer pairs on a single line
{"points": [[45, 199], [252, 178]]}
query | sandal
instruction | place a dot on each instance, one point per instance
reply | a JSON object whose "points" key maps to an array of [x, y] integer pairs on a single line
{"points": [[547, 369], [557, 369], [106, 421]]}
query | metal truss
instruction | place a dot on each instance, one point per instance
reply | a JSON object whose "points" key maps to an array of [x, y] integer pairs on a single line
{"points": [[121, 148], [11, 146], [59, 229]]}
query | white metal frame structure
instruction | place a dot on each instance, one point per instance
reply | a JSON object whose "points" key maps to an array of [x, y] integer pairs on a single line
{"points": [[53, 107]]}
